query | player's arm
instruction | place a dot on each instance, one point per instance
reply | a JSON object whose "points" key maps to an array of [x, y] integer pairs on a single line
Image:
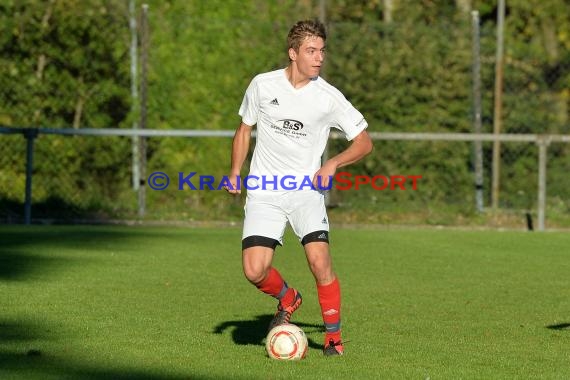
{"points": [[360, 146], [240, 148]]}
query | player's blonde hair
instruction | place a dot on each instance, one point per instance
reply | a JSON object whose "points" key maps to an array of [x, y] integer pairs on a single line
{"points": [[304, 29]]}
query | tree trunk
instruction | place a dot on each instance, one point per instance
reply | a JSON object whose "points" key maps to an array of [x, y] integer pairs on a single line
{"points": [[550, 40], [464, 6], [78, 112], [42, 59], [387, 11]]}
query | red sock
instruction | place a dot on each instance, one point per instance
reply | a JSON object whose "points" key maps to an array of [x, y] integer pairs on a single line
{"points": [[329, 299], [275, 286]]}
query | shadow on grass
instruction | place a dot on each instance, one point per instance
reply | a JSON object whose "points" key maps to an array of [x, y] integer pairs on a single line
{"points": [[17, 265], [40, 365], [560, 326], [26, 252], [23, 356], [21, 247], [245, 332]]}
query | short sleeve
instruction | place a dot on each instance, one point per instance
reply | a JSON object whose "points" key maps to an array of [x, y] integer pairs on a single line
{"points": [[249, 109], [350, 121]]}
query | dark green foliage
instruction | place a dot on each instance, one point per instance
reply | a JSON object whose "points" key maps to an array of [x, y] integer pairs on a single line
{"points": [[66, 64]]}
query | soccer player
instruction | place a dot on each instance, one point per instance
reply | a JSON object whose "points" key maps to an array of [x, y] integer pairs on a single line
{"points": [[294, 109]]}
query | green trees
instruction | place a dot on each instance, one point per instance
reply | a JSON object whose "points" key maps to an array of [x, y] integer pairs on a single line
{"points": [[406, 65], [66, 67], [65, 63]]}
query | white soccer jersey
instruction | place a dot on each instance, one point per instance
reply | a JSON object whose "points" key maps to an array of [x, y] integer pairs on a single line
{"points": [[293, 126]]}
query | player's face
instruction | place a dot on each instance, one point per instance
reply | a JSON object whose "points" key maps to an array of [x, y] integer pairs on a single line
{"points": [[310, 56]]}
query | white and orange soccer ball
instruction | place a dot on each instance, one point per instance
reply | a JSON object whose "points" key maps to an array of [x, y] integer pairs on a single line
{"points": [[286, 342]]}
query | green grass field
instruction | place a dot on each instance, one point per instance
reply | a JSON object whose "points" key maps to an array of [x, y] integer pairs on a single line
{"points": [[113, 302]]}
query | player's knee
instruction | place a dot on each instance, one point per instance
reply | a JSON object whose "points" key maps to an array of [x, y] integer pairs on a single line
{"points": [[254, 272], [321, 268], [253, 276], [257, 253], [320, 263]]}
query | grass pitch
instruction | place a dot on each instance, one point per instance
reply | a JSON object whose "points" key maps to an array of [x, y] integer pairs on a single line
{"points": [[171, 303]]}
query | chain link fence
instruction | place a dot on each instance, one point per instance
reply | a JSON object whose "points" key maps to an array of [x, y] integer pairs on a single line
{"points": [[413, 187], [404, 78]]}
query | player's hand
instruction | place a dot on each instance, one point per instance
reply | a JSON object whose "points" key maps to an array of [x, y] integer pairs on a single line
{"points": [[323, 177], [235, 189]]}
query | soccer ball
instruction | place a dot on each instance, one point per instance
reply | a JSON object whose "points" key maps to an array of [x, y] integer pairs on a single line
{"points": [[286, 342]]}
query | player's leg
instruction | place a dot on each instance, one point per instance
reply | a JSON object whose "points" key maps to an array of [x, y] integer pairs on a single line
{"points": [[264, 225], [259, 271], [310, 222], [256, 262], [328, 291]]}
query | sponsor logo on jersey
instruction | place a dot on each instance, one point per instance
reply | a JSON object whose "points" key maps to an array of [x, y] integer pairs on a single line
{"points": [[275, 102], [293, 125]]}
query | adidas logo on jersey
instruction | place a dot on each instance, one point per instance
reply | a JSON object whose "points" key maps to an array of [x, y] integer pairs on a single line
{"points": [[274, 102], [324, 221], [322, 236]]}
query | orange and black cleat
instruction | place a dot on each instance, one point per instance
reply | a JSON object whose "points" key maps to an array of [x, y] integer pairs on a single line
{"points": [[333, 348], [283, 314]]}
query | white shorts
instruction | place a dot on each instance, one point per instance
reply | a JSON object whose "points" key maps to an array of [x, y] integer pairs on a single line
{"points": [[267, 214]]}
